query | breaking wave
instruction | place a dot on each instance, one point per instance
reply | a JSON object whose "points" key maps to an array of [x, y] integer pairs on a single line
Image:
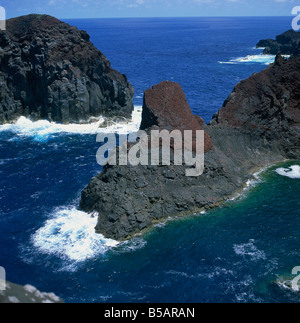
{"points": [[70, 234], [260, 59], [41, 130], [291, 172]]}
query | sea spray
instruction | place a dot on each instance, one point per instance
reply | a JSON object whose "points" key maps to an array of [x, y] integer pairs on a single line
{"points": [[260, 59], [70, 234], [291, 172], [41, 130]]}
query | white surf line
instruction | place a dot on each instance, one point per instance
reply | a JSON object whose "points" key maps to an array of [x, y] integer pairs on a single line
{"points": [[262, 59], [43, 128], [70, 234]]}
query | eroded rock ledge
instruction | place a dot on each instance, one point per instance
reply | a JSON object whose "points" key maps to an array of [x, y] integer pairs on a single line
{"points": [[50, 70], [259, 124]]}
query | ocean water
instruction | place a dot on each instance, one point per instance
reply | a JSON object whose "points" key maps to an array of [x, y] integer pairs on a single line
{"points": [[244, 251]]}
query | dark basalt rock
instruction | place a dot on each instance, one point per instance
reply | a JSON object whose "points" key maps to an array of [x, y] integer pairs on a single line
{"points": [[27, 294], [287, 43], [258, 125], [50, 70], [267, 105]]}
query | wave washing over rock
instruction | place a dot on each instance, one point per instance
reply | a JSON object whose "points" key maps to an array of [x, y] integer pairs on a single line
{"points": [[291, 172], [71, 234], [50, 70], [41, 130], [258, 125]]}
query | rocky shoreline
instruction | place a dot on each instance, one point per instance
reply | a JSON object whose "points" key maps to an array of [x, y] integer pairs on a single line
{"points": [[50, 70], [15, 294], [257, 126], [287, 43]]}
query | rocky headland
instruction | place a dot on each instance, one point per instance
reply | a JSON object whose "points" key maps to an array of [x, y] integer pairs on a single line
{"points": [[259, 124], [51, 70], [287, 43]]}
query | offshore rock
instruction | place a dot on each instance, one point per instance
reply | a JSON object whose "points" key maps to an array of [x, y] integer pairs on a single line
{"points": [[50, 70], [258, 125], [287, 43]]}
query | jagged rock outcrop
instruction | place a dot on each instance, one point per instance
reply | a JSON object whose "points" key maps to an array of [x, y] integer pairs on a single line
{"points": [[259, 124], [267, 106], [50, 70], [15, 294], [165, 106], [287, 43]]}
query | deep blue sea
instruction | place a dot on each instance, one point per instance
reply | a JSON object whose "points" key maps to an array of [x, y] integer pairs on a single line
{"points": [[240, 252]]}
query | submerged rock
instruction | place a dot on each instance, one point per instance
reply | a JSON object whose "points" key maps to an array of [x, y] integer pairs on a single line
{"points": [[259, 124], [50, 70]]}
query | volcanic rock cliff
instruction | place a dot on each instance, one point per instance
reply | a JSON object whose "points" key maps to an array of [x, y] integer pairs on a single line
{"points": [[259, 124], [287, 43], [50, 70]]}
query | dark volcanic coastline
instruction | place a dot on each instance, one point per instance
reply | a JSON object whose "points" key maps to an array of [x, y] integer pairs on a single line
{"points": [[287, 43], [258, 125], [50, 70]]}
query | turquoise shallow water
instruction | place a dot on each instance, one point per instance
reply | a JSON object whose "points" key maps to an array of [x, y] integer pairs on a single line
{"points": [[230, 254]]}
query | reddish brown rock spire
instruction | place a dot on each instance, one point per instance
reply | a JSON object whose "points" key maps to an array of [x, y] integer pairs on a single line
{"points": [[165, 106]]}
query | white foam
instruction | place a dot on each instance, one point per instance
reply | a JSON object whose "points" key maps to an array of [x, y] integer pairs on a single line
{"points": [[287, 285], [41, 130], [70, 234], [249, 249], [132, 245], [230, 63], [253, 182], [256, 179], [261, 59], [291, 172], [125, 127]]}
